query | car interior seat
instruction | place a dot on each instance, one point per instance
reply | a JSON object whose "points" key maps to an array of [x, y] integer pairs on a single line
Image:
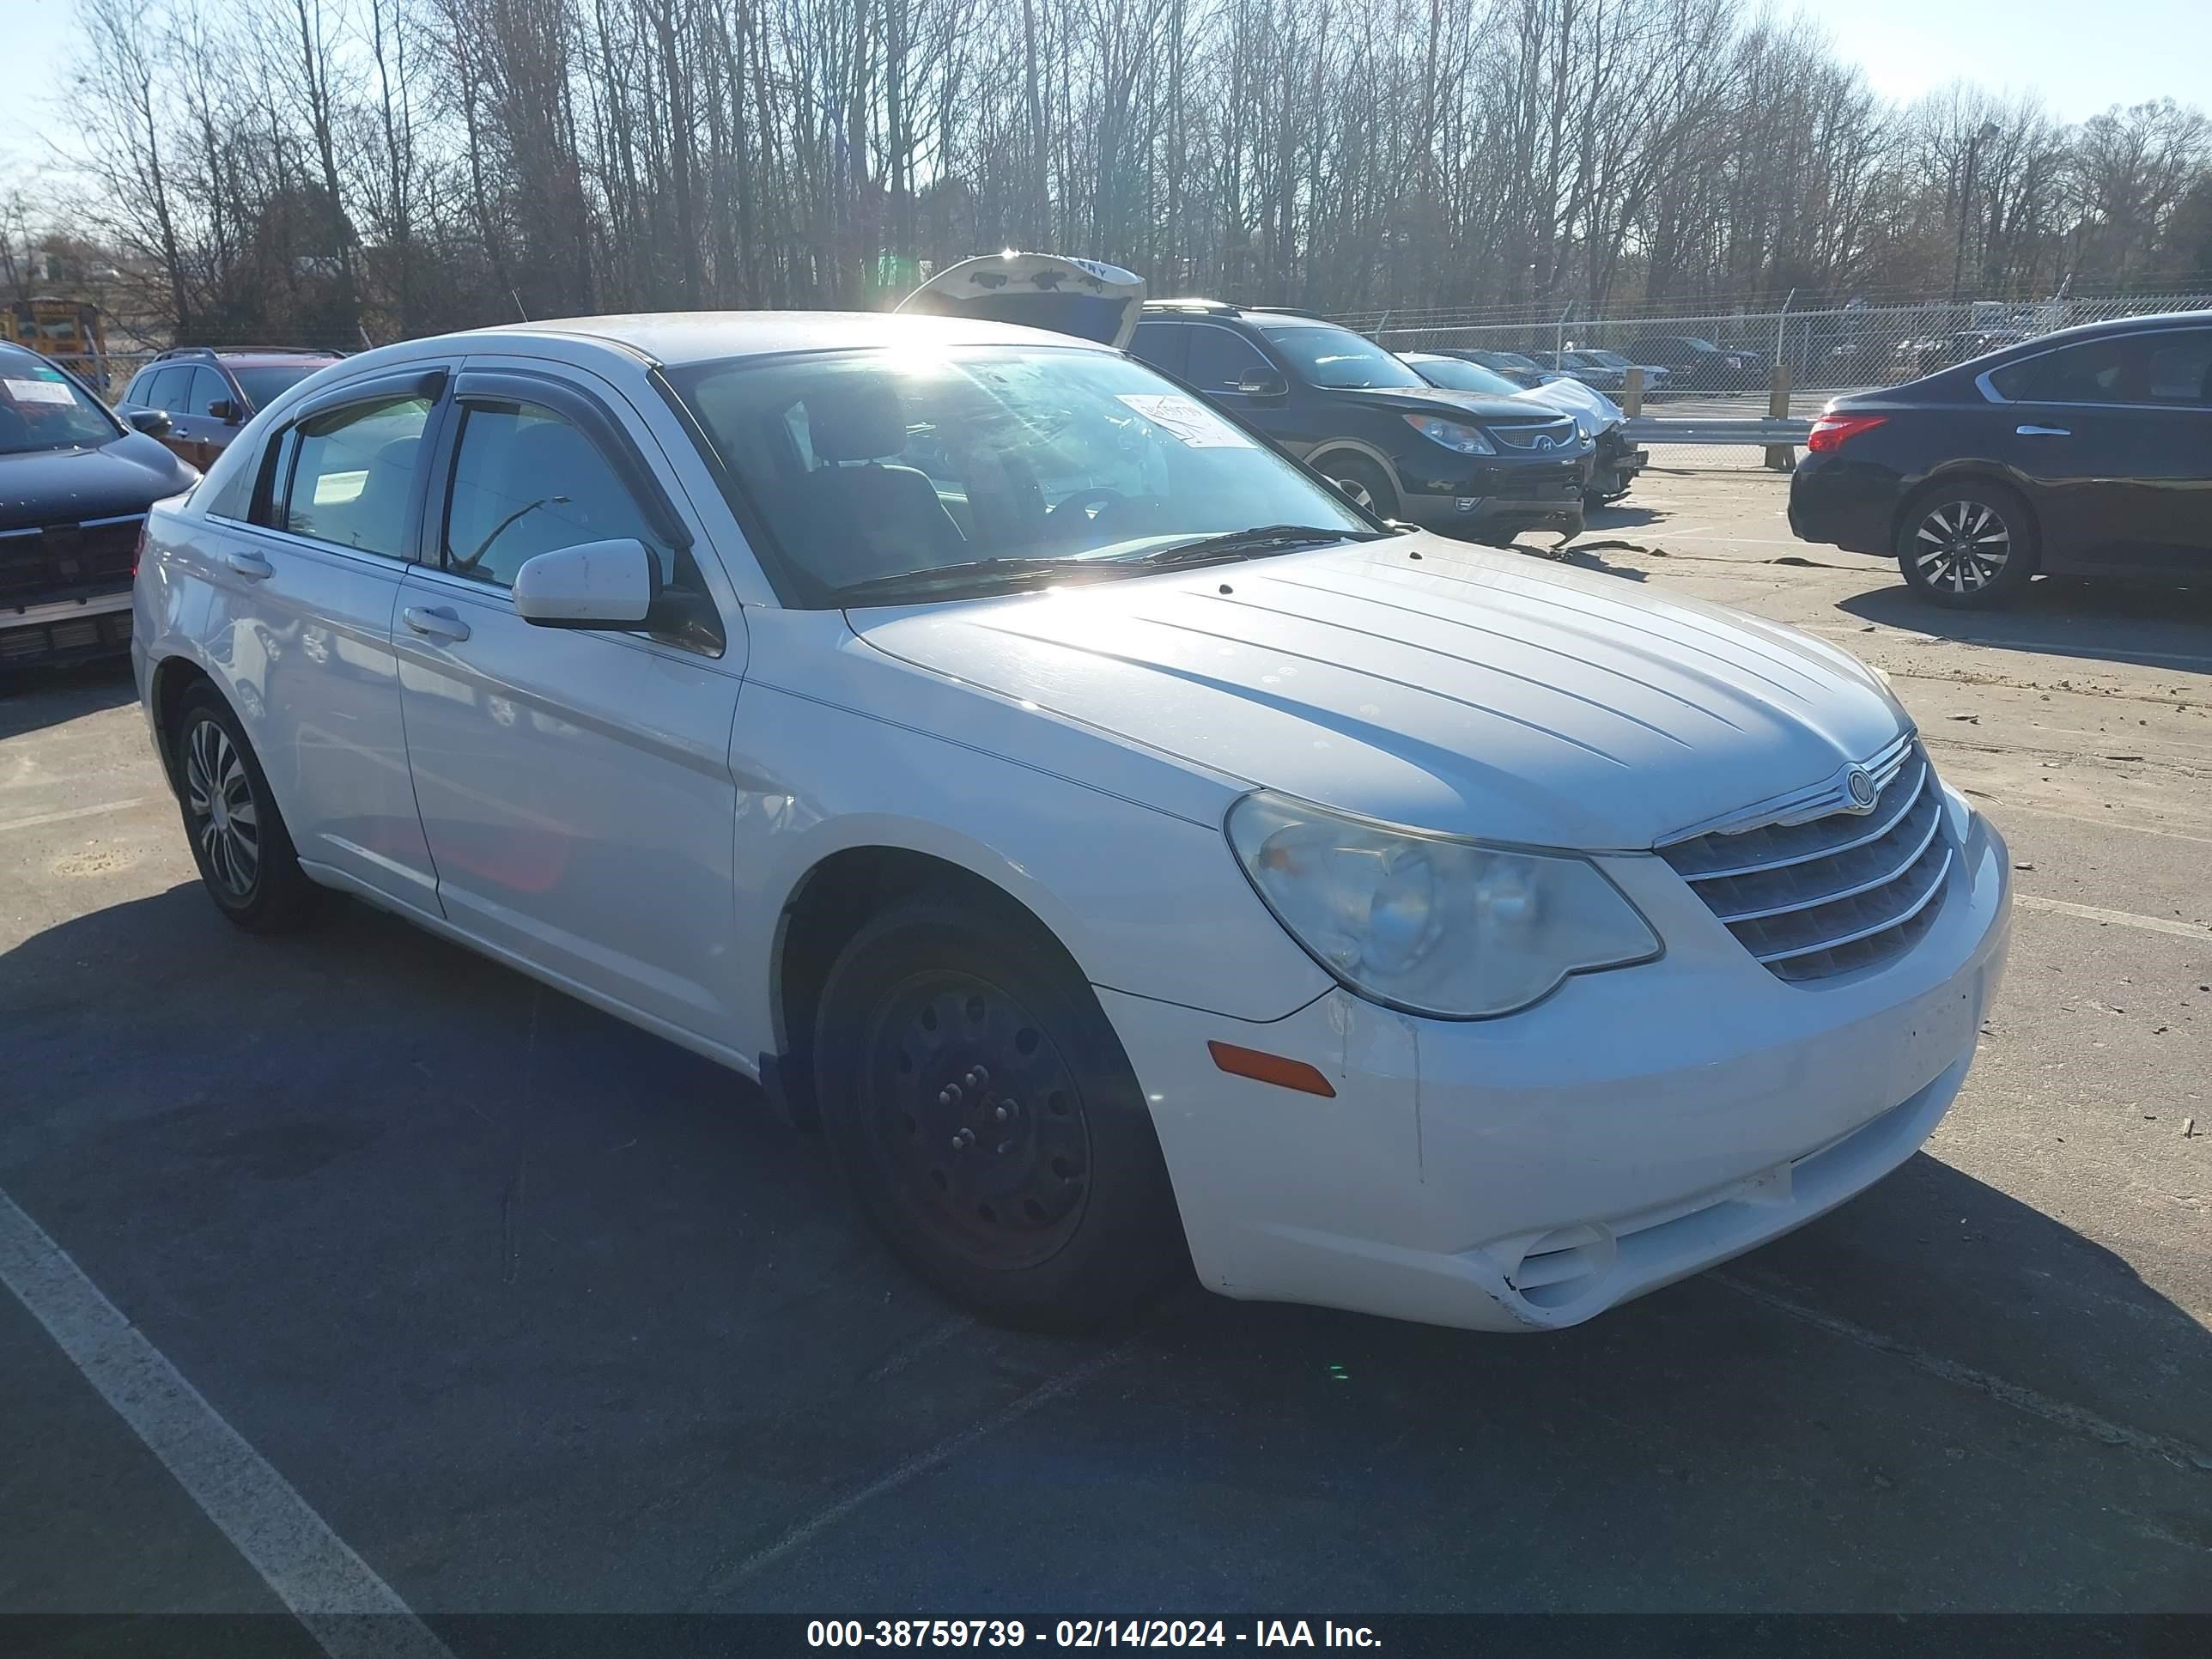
{"points": [[871, 519]]}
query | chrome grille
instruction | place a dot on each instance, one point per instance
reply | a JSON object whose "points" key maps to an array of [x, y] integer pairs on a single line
{"points": [[1827, 894], [1534, 434]]}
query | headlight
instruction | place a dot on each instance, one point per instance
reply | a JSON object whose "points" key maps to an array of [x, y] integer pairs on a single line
{"points": [[1428, 923], [1460, 439]]}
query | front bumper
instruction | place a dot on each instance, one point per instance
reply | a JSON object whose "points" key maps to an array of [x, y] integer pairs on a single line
{"points": [[1618, 462], [1493, 495], [1526, 1173], [65, 630]]}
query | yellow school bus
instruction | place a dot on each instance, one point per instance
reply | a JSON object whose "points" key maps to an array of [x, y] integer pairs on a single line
{"points": [[68, 330]]}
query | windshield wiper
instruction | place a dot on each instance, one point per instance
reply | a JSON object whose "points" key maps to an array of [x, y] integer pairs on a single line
{"points": [[900, 582], [1260, 539]]}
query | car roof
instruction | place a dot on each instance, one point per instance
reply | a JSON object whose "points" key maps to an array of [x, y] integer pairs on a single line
{"points": [[676, 338], [2164, 320], [275, 359]]}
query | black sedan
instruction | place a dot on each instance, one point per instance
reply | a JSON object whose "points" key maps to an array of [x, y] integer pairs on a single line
{"points": [[75, 485], [2086, 452]]}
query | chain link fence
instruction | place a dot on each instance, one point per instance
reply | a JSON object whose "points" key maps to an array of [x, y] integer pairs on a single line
{"points": [[1721, 367]]}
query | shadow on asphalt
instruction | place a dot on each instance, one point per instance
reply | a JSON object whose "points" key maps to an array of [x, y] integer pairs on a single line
{"points": [[1605, 520], [2108, 622], [34, 699], [546, 1312]]}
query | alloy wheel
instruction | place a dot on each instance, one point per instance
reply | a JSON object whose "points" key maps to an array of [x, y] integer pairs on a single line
{"points": [[1962, 546], [1357, 492], [225, 822], [974, 1115]]}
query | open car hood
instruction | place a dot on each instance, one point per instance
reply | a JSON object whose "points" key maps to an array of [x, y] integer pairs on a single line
{"points": [[1082, 297]]}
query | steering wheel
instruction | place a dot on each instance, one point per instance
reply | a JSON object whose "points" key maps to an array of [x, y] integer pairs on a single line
{"points": [[1082, 498]]}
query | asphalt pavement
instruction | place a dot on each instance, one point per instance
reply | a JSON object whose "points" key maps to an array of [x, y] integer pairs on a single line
{"points": [[521, 1309]]}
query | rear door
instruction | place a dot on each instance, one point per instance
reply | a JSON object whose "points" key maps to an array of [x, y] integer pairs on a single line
{"points": [[2116, 433], [574, 785], [303, 587]]}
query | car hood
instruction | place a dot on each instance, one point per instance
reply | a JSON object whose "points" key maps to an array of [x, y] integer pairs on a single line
{"points": [[65, 486], [1423, 682], [1593, 411], [1422, 399]]}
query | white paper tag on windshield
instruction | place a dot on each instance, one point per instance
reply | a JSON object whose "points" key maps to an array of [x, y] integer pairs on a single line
{"points": [[1187, 419], [38, 392]]}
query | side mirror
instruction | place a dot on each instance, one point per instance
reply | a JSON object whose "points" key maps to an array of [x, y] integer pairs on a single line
{"points": [[154, 422], [224, 409], [1263, 383], [612, 584]]}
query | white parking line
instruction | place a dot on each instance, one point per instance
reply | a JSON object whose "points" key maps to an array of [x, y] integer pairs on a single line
{"points": [[33, 822], [919, 1464], [345, 1607], [2062, 1412], [2121, 917]]}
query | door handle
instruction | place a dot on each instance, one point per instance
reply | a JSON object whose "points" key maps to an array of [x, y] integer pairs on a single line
{"points": [[252, 566], [435, 624], [2041, 432]]}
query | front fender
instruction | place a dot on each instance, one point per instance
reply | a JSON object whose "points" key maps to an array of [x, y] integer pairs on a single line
{"points": [[1145, 902]]}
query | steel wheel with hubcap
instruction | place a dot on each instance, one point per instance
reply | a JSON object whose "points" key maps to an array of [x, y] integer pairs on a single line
{"points": [[1968, 545], [238, 837], [987, 1119], [977, 1120]]}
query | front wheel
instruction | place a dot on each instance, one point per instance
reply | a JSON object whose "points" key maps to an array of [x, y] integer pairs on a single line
{"points": [[1363, 481], [1968, 546], [986, 1120]]}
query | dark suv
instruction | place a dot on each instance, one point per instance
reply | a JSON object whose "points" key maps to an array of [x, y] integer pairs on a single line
{"points": [[208, 394], [75, 485], [1487, 467]]}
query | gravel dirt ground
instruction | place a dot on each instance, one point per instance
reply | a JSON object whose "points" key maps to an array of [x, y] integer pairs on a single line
{"points": [[535, 1312]]}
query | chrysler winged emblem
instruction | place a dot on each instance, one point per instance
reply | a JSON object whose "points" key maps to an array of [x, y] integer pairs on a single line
{"points": [[1859, 782]]}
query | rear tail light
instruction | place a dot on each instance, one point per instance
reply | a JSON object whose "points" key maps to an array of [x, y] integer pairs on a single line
{"points": [[1832, 431]]}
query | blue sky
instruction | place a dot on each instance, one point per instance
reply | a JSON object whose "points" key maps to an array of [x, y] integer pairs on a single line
{"points": [[2060, 48]]}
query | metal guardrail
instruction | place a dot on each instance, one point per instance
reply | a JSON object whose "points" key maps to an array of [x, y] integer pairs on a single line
{"points": [[1647, 429]]}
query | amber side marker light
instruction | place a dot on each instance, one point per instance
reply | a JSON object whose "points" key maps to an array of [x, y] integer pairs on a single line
{"points": [[1263, 1068]]}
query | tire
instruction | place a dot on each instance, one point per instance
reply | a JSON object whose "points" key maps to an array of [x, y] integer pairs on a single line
{"points": [[1362, 480], [987, 1121], [237, 835], [1968, 546]]}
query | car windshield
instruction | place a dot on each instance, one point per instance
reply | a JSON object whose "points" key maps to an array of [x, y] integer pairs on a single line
{"points": [[1511, 360], [932, 473], [41, 408], [1339, 359], [1456, 375], [263, 384]]}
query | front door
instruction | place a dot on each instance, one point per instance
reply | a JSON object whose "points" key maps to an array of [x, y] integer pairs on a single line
{"points": [[1220, 365], [195, 434], [574, 785]]}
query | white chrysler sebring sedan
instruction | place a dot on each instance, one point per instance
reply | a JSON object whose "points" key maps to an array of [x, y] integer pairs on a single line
{"points": [[1118, 842]]}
